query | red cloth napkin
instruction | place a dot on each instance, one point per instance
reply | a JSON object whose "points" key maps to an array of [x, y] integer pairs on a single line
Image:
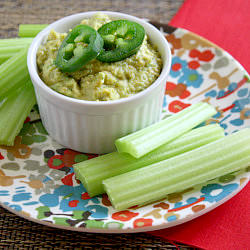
{"points": [[225, 228], [226, 23]]}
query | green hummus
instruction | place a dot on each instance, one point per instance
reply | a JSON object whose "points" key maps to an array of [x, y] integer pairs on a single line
{"points": [[98, 81]]}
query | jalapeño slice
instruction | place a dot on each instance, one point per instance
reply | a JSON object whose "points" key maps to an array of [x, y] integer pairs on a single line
{"points": [[122, 38], [80, 46]]}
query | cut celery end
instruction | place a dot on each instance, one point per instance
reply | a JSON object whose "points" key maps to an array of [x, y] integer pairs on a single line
{"points": [[30, 30], [92, 172], [13, 72], [155, 181], [145, 140], [103, 167], [14, 111]]}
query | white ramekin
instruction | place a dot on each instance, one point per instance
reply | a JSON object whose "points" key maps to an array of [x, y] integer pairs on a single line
{"points": [[90, 126]]}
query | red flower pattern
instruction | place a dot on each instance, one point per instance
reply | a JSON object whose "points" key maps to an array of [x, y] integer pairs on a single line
{"points": [[176, 66], [205, 56], [124, 215], [73, 203], [68, 179], [193, 64], [176, 106], [141, 222], [85, 196], [51, 161]]}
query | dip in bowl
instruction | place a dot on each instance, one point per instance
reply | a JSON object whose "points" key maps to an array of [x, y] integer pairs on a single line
{"points": [[97, 80], [91, 120]]}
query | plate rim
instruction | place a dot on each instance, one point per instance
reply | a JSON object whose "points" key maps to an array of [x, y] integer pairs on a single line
{"points": [[129, 230], [164, 225]]}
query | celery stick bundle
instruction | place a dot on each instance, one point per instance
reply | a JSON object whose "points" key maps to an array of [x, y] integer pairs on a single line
{"points": [[13, 111], [155, 181], [92, 172], [17, 95], [145, 140]]}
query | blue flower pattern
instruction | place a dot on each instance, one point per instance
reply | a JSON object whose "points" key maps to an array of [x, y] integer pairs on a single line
{"points": [[64, 194], [191, 78], [185, 75], [183, 64], [220, 191]]}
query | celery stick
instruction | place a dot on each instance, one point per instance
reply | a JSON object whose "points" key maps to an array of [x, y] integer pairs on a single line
{"points": [[92, 172], [8, 51], [13, 72], [13, 112], [30, 30], [15, 42], [145, 140], [154, 182]]}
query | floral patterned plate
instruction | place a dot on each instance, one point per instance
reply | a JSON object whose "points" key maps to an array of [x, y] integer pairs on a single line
{"points": [[37, 180]]}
